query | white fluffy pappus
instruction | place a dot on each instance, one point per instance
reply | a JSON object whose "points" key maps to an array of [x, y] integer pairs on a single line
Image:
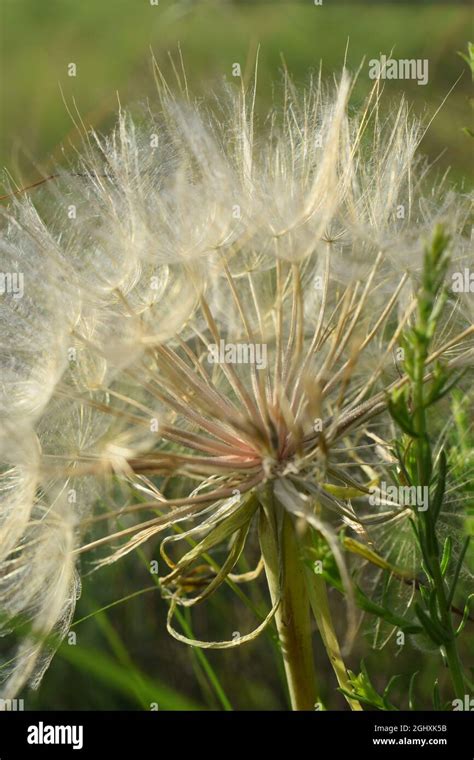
{"points": [[304, 236]]}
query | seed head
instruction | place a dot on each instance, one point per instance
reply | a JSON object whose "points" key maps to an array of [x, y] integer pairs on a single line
{"points": [[212, 314]]}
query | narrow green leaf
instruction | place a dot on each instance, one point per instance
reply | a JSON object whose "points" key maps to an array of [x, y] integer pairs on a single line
{"points": [[440, 486], [411, 696], [465, 617], [431, 628], [447, 549], [457, 570]]}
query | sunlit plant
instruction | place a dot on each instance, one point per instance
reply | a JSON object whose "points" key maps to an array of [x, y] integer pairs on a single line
{"points": [[207, 351]]}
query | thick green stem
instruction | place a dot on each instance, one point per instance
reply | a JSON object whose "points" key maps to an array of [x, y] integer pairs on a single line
{"points": [[286, 581]]}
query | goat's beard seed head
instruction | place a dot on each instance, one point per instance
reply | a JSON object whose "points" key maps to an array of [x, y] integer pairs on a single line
{"points": [[212, 306]]}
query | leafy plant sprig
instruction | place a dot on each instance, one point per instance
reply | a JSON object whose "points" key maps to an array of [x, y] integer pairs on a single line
{"points": [[469, 59], [408, 407]]}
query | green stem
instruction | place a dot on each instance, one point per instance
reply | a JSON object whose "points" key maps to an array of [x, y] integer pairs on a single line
{"points": [[450, 647], [285, 575], [319, 602]]}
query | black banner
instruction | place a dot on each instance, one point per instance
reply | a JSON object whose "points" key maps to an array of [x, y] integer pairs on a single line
{"points": [[374, 734]]}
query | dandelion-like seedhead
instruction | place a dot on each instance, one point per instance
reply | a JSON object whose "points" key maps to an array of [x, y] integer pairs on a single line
{"points": [[210, 327]]}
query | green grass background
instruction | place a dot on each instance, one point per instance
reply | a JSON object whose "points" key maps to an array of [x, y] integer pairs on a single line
{"points": [[110, 43]]}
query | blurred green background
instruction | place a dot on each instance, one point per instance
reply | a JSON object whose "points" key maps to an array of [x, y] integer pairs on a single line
{"points": [[109, 41], [123, 657]]}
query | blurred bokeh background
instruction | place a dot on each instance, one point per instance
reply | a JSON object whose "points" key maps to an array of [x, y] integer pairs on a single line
{"points": [[122, 656], [110, 41]]}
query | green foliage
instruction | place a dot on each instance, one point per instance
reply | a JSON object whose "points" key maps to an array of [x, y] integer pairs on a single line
{"points": [[469, 58], [126, 679], [411, 406], [409, 410], [364, 691]]}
